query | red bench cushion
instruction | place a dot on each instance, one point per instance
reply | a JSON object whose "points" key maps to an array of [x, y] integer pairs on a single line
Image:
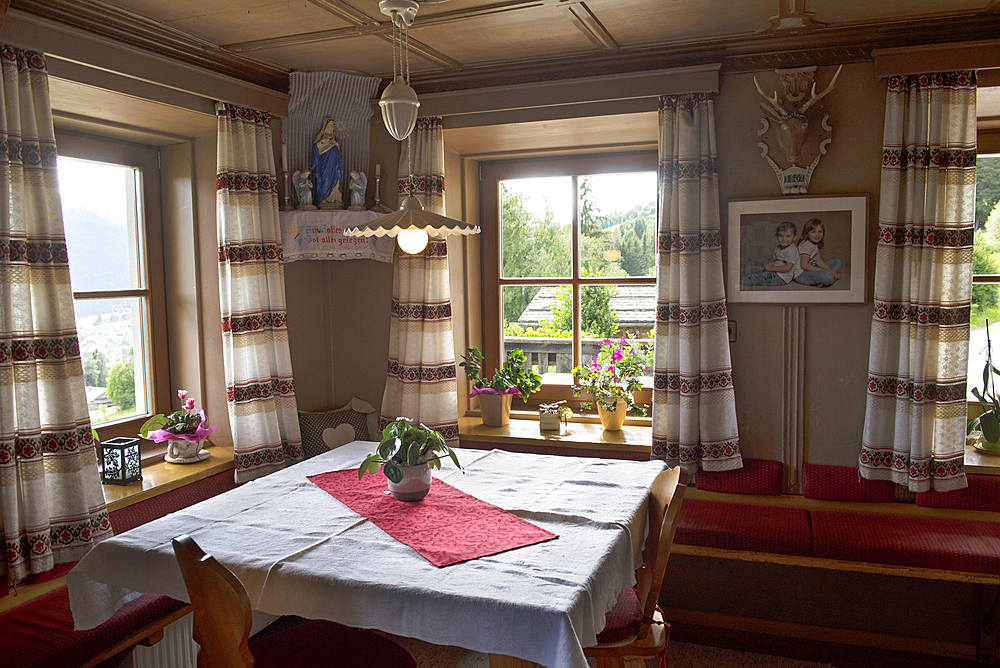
{"points": [[844, 483], [983, 493], [39, 633], [743, 526], [945, 544], [758, 476]]}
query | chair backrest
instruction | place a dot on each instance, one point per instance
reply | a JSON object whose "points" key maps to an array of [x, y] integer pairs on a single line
{"points": [[222, 613], [666, 494]]}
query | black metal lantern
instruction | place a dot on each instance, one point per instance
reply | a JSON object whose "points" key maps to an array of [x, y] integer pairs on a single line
{"points": [[122, 463]]}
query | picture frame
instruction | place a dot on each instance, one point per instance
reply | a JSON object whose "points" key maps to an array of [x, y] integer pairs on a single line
{"points": [[753, 242]]}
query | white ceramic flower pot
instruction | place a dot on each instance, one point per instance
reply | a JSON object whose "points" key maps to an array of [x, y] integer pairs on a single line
{"points": [[415, 484], [613, 420]]}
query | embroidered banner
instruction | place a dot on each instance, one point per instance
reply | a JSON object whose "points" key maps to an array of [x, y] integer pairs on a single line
{"points": [[319, 235], [447, 527]]}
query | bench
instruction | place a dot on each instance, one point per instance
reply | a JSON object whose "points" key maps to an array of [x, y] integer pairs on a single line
{"points": [[38, 631], [842, 522]]}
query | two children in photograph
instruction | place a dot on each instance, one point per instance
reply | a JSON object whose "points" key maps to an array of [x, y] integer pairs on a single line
{"points": [[800, 262]]}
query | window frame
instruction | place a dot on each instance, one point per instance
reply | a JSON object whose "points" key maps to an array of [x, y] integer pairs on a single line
{"points": [[146, 159], [492, 173]]}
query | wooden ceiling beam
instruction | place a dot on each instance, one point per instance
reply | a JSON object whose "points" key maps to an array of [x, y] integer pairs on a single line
{"points": [[591, 26], [346, 12]]}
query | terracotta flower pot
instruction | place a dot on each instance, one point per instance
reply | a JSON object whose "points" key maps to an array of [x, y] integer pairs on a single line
{"points": [[495, 409], [613, 420], [415, 484]]}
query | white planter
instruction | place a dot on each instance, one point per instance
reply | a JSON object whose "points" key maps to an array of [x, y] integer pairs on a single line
{"points": [[548, 422], [415, 484]]}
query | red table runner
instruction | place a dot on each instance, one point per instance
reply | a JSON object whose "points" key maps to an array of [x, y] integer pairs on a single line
{"points": [[447, 527]]}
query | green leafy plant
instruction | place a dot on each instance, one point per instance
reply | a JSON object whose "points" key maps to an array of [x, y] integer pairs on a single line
{"points": [[988, 422], [513, 375], [613, 375], [404, 444]]}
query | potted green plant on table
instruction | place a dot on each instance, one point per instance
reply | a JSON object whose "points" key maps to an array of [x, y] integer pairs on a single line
{"points": [[495, 395], [611, 377], [988, 424], [406, 454], [184, 430]]}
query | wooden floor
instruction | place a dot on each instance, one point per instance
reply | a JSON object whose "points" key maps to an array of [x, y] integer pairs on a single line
{"points": [[841, 656]]}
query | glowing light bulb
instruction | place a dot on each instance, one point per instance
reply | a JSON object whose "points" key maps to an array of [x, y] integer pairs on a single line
{"points": [[411, 240]]}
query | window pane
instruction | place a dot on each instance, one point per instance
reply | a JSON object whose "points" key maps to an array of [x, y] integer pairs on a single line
{"points": [[538, 320], [112, 343], [535, 224], [100, 213], [618, 224], [614, 311]]}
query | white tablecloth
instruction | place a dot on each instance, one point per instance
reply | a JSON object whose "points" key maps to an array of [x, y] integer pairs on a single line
{"points": [[299, 551]]}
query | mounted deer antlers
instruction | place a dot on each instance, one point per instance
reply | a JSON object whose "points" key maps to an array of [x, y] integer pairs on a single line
{"points": [[813, 97]]}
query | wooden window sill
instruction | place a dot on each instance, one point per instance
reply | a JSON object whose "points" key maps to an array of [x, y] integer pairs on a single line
{"points": [[524, 431], [163, 477]]}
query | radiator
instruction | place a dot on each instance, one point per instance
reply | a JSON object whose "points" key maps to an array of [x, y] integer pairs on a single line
{"points": [[177, 649]]}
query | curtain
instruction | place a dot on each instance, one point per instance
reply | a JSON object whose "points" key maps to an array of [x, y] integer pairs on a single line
{"points": [[694, 406], [51, 502], [422, 383], [916, 410], [260, 392]]}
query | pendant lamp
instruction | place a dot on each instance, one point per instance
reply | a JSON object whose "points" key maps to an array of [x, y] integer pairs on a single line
{"points": [[412, 226], [399, 102]]}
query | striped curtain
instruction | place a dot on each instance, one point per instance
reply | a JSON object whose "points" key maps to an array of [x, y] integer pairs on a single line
{"points": [[51, 503], [259, 387], [916, 410], [694, 406], [422, 383]]}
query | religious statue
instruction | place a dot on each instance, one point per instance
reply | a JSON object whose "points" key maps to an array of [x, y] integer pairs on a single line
{"points": [[304, 190], [328, 166], [357, 185]]}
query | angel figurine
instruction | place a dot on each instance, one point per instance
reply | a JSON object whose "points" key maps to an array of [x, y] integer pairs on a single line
{"points": [[357, 185]]}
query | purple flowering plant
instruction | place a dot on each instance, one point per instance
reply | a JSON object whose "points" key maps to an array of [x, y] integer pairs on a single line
{"points": [[185, 424], [612, 375]]}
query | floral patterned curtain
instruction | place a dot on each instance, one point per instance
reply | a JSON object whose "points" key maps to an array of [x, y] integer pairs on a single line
{"points": [[259, 386], [916, 411], [422, 383], [694, 406], [51, 503]]}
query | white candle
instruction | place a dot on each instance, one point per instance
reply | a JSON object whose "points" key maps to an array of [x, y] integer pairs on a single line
{"points": [[284, 157], [378, 169]]}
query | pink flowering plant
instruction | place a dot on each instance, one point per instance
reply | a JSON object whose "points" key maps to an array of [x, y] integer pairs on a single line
{"points": [[186, 424], [612, 375]]}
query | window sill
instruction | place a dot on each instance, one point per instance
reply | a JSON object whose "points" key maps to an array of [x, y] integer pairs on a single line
{"points": [[980, 464], [584, 435], [162, 477]]}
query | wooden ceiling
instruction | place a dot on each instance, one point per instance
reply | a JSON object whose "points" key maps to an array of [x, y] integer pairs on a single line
{"points": [[457, 44]]}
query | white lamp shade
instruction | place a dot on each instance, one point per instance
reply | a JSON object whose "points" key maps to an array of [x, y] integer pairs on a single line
{"points": [[399, 109], [411, 216]]}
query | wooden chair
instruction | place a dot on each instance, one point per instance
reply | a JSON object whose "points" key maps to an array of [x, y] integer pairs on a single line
{"points": [[222, 620], [634, 629]]}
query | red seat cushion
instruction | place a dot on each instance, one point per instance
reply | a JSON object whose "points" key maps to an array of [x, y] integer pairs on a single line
{"points": [[330, 644], [758, 476], [743, 526], [983, 493], [623, 620], [39, 633], [844, 483], [945, 544]]}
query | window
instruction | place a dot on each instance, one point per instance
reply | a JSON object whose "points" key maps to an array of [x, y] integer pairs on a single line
{"points": [[110, 201], [985, 269], [569, 260]]}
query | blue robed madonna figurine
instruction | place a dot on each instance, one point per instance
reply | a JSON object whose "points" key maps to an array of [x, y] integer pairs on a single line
{"points": [[328, 167]]}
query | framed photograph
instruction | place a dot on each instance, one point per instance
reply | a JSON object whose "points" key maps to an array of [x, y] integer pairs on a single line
{"points": [[805, 250]]}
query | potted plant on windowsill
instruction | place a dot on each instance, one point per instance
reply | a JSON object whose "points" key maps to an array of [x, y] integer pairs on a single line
{"points": [[988, 424], [610, 378], [495, 396], [184, 431], [406, 454]]}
